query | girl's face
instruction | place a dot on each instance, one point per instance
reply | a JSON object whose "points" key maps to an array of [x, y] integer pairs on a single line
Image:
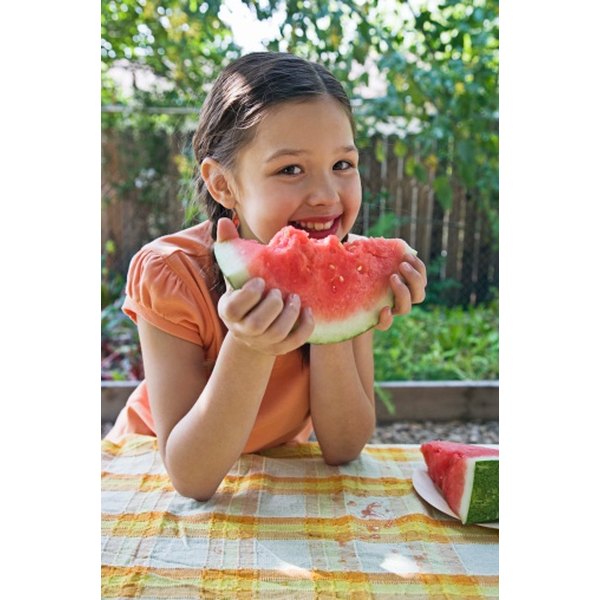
{"points": [[301, 169]]}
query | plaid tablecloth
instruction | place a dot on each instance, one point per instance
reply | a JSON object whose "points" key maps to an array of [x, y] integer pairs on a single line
{"points": [[283, 524]]}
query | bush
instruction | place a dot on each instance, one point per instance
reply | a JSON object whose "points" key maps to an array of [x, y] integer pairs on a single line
{"points": [[440, 343], [120, 353]]}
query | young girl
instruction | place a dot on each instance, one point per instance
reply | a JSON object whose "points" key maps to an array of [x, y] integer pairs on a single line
{"points": [[228, 372]]}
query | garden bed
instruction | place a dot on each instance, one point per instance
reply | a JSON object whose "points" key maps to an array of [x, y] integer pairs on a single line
{"points": [[404, 400]]}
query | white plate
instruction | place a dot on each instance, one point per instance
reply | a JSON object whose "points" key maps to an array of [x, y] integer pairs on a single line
{"points": [[427, 490]]}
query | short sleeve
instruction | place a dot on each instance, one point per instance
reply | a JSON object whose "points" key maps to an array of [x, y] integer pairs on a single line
{"points": [[170, 293]]}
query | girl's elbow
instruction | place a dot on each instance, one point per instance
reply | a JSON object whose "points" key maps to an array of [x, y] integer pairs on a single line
{"points": [[336, 459], [194, 491], [341, 453]]}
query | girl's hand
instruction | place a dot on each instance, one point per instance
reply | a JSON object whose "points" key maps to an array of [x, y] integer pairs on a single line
{"points": [[267, 323], [408, 287]]}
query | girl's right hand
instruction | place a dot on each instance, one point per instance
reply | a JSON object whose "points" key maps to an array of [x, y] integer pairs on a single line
{"points": [[267, 323]]}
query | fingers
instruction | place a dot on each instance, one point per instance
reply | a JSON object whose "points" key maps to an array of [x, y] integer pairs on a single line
{"points": [[281, 326], [266, 321], [279, 321], [385, 319], [419, 265], [408, 286], [235, 305], [264, 315], [414, 277], [414, 281], [293, 337], [226, 230], [402, 295]]}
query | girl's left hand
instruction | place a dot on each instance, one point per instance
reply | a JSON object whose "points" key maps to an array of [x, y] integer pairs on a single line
{"points": [[408, 287]]}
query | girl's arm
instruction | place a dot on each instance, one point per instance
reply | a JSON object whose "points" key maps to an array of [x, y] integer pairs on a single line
{"points": [[341, 385], [203, 423], [342, 402]]}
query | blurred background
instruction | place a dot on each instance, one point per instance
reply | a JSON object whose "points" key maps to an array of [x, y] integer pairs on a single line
{"points": [[423, 78]]}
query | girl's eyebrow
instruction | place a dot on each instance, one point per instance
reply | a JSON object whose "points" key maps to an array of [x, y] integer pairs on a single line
{"points": [[298, 152]]}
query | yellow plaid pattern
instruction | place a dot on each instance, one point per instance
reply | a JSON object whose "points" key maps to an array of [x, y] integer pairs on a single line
{"points": [[283, 524]]}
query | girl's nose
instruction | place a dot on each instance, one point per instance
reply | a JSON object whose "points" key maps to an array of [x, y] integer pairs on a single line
{"points": [[323, 191]]}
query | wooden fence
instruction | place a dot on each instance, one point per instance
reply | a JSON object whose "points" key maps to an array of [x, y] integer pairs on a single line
{"points": [[457, 244]]}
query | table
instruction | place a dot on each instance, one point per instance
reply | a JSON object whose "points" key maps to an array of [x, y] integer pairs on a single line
{"points": [[283, 524]]}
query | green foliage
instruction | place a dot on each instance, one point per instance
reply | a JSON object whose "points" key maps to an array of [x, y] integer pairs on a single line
{"points": [[170, 51], [440, 343], [182, 43], [120, 345], [440, 290], [112, 282]]}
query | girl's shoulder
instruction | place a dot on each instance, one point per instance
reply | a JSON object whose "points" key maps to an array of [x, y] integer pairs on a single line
{"points": [[185, 255], [194, 241], [170, 282]]}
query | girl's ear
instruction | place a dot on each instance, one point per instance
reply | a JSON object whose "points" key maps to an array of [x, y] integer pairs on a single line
{"points": [[217, 182]]}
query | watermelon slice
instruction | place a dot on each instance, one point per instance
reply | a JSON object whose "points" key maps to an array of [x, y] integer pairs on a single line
{"points": [[345, 285], [468, 478]]}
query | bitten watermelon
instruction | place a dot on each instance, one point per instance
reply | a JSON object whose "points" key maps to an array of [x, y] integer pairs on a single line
{"points": [[345, 285], [468, 478]]}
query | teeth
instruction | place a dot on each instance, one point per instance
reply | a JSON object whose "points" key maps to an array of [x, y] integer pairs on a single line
{"points": [[316, 226]]}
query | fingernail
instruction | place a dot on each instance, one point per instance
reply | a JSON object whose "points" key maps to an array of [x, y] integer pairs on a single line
{"points": [[406, 267], [258, 284], [293, 299]]}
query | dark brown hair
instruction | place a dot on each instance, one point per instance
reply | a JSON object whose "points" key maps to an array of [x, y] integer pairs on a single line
{"points": [[240, 98]]}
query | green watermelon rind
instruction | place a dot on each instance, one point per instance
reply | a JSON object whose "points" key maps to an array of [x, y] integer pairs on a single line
{"points": [[339, 331], [480, 501], [228, 254]]}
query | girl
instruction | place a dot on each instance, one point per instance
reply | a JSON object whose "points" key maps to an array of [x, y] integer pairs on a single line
{"points": [[228, 372]]}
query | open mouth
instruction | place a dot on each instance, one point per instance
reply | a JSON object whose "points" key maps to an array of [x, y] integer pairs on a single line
{"points": [[318, 228]]}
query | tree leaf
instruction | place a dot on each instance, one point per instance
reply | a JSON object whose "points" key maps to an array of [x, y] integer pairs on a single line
{"points": [[443, 191], [379, 150], [420, 172], [400, 148]]}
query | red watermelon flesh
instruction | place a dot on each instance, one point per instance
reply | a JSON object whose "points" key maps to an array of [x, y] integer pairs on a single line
{"points": [[345, 285], [468, 478]]}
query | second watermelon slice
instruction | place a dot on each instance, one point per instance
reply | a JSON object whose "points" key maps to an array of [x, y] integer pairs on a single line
{"points": [[467, 476]]}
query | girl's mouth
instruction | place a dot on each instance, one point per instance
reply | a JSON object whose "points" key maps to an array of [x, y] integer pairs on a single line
{"points": [[318, 228]]}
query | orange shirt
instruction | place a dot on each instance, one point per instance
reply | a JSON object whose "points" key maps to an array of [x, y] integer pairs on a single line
{"points": [[169, 285]]}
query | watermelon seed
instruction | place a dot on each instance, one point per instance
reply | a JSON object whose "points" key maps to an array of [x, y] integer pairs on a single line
{"points": [[359, 268], [341, 278], [332, 266]]}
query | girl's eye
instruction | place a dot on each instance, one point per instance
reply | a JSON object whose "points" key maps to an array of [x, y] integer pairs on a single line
{"points": [[343, 165], [291, 170]]}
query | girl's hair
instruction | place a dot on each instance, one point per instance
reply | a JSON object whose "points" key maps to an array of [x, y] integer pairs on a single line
{"points": [[239, 100]]}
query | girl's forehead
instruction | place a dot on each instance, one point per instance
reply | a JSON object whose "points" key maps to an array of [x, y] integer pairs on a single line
{"points": [[304, 117], [309, 104]]}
